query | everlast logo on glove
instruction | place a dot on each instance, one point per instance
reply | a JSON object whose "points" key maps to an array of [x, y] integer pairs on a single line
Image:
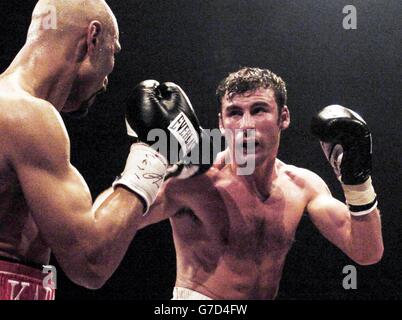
{"points": [[161, 116], [185, 133]]}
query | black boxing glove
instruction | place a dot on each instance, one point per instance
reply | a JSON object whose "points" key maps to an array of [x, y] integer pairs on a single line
{"points": [[166, 107], [197, 162], [346, 141]]}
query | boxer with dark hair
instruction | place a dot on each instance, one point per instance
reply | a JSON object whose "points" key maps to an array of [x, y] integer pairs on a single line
{"points": [[231, 231], [45, 204]]}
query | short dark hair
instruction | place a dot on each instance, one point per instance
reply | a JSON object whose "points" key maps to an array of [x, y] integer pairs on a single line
{"points": [[251, 79]]}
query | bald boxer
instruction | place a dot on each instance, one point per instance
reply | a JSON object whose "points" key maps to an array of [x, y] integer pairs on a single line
{"points": [[231, 231], [45, 204]]}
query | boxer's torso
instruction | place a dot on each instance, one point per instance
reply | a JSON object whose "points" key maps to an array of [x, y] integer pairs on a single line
{"points": [[19, 235], [229, 243]]}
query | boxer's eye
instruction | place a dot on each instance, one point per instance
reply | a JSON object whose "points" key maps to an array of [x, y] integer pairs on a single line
{"points": [[233, 112], [259, 110]]}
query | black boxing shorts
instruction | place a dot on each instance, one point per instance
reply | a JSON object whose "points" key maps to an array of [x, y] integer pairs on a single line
{"points": [[21, 282]]}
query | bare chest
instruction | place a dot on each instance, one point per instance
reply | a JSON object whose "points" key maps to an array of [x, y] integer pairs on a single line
{"points": [[237, 219]]}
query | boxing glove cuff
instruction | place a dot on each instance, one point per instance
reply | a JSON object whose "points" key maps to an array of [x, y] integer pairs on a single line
{"points": [[361, 199], [144, 173]]}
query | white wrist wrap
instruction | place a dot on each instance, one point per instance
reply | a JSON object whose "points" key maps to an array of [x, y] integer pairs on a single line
{"points": [[144, 173], [361, 198]]}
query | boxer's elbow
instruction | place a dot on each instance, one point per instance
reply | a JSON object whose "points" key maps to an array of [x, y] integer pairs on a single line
{"points": [[89, 279], [367, 261], [85, 272], [82, 270], [369, 258], [93, 283]]}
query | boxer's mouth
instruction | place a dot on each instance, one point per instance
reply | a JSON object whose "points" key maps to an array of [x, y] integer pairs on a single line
{"points": [[250, 146], [250, 143], [100, 91], [92, 98], [103, 90]]}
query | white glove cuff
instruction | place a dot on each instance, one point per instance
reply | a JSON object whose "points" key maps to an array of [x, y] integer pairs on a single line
{"points": [[144, 173], [361, 198]]}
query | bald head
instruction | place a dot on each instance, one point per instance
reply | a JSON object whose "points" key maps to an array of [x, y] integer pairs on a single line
{"points": [[73, 43], [62, 18]]}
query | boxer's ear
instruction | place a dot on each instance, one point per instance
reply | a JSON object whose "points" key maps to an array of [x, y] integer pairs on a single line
{"points": [[93, 36], [284, 118]]}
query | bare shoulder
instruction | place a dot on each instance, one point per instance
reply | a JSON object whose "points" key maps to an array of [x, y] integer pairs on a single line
{"points": [[196, 183], [303, 178], [31, 127], [190, 188]]}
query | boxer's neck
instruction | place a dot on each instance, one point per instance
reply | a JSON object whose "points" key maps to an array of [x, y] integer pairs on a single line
{"points": [[261, 180], [44, 73]]}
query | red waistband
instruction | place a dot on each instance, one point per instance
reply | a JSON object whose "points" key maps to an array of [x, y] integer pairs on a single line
{"points": [[20, 269]]}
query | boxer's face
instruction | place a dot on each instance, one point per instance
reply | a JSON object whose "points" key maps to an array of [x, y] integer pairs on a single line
{"points": [[92, 78], [253, 117]]}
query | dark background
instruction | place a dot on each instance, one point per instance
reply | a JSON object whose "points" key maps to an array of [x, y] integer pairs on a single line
{"points": [[195, 44]]}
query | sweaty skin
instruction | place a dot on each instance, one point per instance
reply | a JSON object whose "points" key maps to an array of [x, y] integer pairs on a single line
{"points": [[229, 243], [232, 233], [45, 203]]}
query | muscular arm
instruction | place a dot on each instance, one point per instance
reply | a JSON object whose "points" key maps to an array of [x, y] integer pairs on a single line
{"points": [[358, 237], [165, 206], [89, 244]]}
